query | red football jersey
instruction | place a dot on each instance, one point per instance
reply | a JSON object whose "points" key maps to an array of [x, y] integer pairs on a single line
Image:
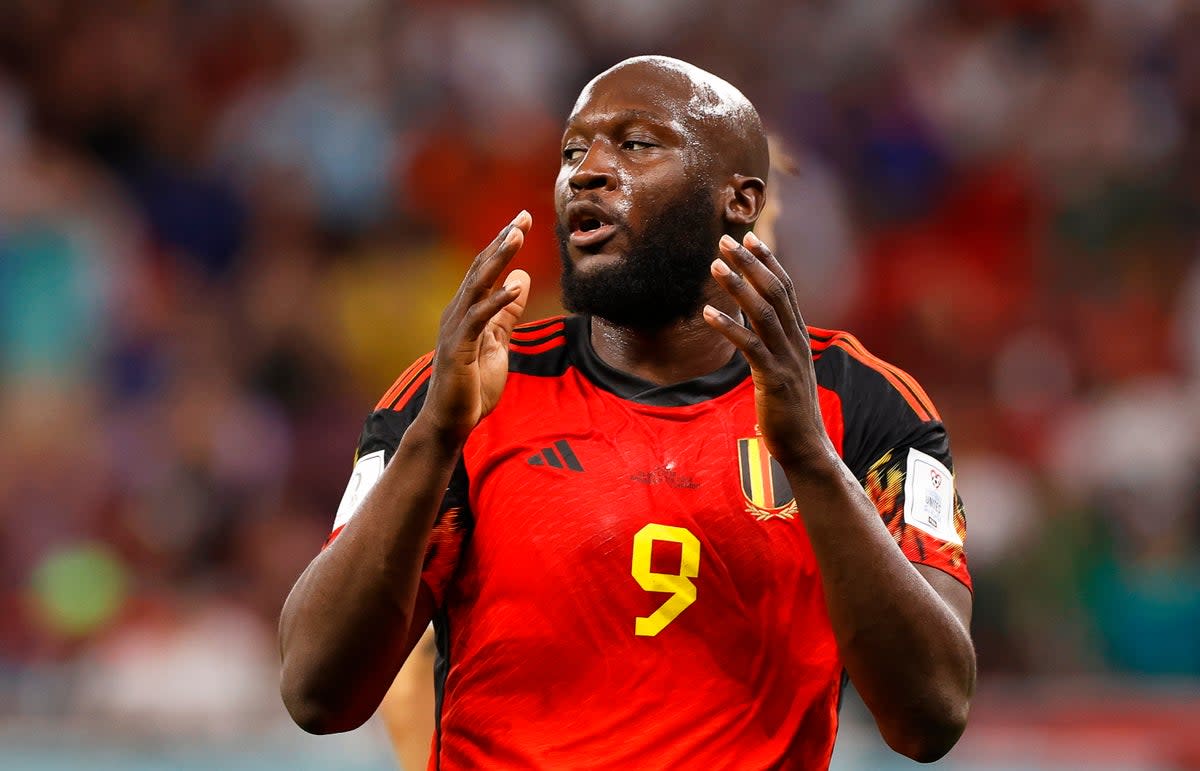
{"points": [[621, 576]]}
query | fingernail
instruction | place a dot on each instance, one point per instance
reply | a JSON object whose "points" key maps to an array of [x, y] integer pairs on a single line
{"points": [[719, 266], [752, 240], [711, 312], [728, 241], [520, 214]]}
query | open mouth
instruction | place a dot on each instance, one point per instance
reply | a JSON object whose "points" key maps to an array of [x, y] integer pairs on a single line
{"points": [[589, 225]]}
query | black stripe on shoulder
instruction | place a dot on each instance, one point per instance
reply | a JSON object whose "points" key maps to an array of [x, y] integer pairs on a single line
{"points": [[829, 369], [537, 340], [384, 427], [405, 391], [408, 413], [534, 326], [876, 416], [551, 363], [839, 370]]}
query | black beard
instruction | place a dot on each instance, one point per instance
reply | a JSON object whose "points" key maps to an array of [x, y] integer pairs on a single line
{"points": [[660, 280]]}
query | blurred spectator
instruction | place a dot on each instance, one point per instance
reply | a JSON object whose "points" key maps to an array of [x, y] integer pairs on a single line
{"points": [[225, 227]]}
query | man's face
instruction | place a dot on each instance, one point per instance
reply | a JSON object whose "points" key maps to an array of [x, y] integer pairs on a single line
{"points": [[637, 219]]}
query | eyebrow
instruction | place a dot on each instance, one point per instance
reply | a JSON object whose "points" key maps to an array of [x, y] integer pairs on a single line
{"points": [[629, 116]]}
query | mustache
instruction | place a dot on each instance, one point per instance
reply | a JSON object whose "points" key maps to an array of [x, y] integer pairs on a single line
{"points": [[564, 235], [614, 218]]}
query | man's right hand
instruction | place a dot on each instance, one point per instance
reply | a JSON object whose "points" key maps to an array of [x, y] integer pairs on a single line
{"points": [[470, 365]]}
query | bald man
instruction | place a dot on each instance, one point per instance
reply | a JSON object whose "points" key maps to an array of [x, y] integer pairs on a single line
{"points": [[658, 532]]}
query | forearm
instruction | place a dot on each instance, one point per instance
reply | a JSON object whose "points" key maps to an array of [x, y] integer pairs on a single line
{"points": [[905, 649], [903, 645], [346, 622]]}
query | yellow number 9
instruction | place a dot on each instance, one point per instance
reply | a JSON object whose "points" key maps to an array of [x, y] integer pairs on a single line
{"points": [[678, 584]]}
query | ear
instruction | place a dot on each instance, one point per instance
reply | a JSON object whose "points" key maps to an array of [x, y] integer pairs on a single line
{"points": [[744, 200]]}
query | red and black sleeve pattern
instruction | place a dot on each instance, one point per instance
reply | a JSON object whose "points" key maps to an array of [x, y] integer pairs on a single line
{"points": [[383, 431], [892, 427]]}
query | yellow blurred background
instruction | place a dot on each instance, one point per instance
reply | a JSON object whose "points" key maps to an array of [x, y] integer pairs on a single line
{"points": [[225, 227]]}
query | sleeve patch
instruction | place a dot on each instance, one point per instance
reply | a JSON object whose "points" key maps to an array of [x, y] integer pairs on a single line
{"points": [[367, 472], [929, 497]]}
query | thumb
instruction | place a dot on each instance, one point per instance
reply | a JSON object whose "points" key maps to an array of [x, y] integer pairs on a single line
{"points": [[510, 314]]}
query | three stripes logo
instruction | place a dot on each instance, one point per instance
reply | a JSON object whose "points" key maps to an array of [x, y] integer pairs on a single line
{"points": [[558, 456]]}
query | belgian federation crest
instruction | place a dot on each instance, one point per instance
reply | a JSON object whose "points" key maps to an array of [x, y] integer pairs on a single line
{"points": [[764, 484]]}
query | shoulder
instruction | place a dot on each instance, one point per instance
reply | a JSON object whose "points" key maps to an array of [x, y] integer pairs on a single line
{"points": [[397, 408], [407, 386], [541, 347], [533, 347], [883, 407], [536, 348], [846, 365]]}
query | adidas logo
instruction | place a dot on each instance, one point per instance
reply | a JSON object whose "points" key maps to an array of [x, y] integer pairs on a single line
{"points": [[564, 457]]}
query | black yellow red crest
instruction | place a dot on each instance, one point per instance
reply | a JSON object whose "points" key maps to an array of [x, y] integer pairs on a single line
{"points": [[764, 484]]}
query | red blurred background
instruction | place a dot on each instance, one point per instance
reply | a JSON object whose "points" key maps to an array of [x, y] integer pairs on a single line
{"points": [[225, 227]]}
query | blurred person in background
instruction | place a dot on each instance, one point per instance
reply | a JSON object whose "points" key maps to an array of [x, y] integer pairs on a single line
{"points": [[409, 708], [224, 223], [513, 522]]}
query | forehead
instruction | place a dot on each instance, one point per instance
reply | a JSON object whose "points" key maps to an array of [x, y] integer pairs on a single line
{"points": [[623, 99]]}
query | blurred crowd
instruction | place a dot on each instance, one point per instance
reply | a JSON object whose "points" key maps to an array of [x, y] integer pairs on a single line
{"points": [[225, 227]]}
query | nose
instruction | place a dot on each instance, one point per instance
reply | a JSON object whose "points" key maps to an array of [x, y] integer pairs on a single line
{"points": [[594, 172]]}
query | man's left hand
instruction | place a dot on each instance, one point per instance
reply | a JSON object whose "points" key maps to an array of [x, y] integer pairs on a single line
{"points": [[776, 345]]}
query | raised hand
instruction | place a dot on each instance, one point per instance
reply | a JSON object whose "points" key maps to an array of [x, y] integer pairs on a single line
{"points": [[777, 348], [470, 365]]}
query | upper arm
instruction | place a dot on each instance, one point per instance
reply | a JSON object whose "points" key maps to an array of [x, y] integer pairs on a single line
{"points": [[381, 435], [912, 487], [898, 448]]}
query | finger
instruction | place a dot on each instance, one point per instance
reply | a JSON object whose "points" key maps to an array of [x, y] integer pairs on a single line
{"points": [[520, 222], [763, 317], [481, 313], [760, 276], [504, 321], [489, 264], [523, 221], [760, 250], [745, 340]]}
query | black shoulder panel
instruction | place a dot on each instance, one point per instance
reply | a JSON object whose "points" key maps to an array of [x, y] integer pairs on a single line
{"points": [[877, 415]]}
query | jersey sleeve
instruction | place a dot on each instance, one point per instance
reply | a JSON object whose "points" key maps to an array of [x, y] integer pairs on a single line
{"points": [[897, 447], [381, 435]]}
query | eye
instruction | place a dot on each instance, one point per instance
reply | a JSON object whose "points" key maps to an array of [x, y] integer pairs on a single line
{"points": [[635, 144], [573, 154]]}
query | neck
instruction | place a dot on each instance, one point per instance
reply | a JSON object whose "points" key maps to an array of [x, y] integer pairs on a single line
{"points": [[686, 349]]}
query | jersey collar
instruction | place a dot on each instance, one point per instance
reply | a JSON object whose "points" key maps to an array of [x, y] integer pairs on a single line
{"points": [[635, 389]]}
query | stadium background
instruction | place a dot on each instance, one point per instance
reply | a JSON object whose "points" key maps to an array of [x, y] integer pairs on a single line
{"points": [[226, 226]]}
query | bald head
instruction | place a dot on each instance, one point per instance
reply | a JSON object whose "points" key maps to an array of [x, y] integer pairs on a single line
{"points": [[659, 160], [720, 123]]}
